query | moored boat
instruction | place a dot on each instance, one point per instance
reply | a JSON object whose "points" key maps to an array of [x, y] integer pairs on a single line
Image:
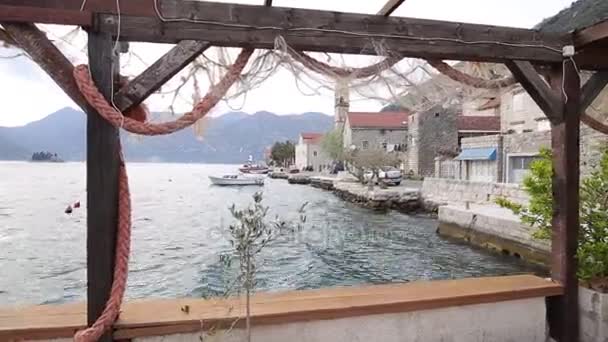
{"points": [[237, 180], [254, 169]]}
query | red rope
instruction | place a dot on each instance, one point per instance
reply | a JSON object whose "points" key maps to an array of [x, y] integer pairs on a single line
{"points": [[213, 96], [132, 124]]}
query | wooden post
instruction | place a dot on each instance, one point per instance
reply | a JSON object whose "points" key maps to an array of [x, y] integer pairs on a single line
{"points": [[563, 311], [102, 183]]}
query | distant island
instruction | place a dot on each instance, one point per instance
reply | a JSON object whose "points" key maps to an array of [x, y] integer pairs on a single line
{"points": [[46, 157]]}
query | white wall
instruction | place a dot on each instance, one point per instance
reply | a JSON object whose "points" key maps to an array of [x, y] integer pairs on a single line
{"points": [[518, 320], [519, 112], [301, 155]]}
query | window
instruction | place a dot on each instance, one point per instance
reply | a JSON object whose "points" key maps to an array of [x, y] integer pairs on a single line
{"points": [[314, 153], [365, 144], [518, 167]]}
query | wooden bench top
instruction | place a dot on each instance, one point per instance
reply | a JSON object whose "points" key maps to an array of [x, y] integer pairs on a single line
{"points": [[167, 316]]}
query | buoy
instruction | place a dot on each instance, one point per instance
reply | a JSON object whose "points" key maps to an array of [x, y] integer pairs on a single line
{"points": [[68, 210]]}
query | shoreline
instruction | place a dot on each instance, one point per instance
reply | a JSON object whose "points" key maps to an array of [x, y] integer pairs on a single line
{"points": [[479, 223]]}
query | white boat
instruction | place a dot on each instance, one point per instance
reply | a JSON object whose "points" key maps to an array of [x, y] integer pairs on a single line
{"points": [[237, 180]]}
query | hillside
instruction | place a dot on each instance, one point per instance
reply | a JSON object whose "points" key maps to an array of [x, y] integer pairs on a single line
{"points": [[229, 138]]}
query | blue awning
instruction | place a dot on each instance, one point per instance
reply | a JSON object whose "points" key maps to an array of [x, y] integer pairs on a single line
{"points": [[477, 154]]}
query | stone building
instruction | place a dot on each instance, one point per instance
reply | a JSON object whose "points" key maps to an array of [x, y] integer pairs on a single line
{"points": [[506, 158], [523, 126], [309, 153], [383, 130], [438, 132]]}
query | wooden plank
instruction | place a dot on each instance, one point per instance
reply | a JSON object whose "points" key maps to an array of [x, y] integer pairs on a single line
{"points": [[535, 85], [131, 7], [48, 57], [592, 58], [258, 26], [591, 35], [103, 161], [138, 89], [390, 6], [146, 318], [46, 16], [565, 142], [592, 88]]}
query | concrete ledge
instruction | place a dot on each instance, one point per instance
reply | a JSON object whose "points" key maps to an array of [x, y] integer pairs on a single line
{"points": [[594, 315], [174, 316], [493, 228]]}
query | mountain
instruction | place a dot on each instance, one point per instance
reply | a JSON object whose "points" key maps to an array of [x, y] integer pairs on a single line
{"points": [[229, 138]]}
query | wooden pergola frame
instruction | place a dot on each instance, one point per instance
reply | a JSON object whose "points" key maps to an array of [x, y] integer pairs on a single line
{"points": [[523, 51]]}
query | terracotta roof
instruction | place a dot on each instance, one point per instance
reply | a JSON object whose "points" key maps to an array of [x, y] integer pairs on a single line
{"points": [[478, 123], [387, 120], [312, 137]]}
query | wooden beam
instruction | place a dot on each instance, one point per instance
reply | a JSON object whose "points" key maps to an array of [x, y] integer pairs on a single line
{"points": [[48, 57], [390, 7], [45, 16], [592, 59], [136, 91], [591, 35], [315, 30], [565, 142], [592, 88], [131, 7], [535, 85], [103, 161]]}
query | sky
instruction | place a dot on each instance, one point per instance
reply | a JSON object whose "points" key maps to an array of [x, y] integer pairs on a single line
{"points": [[28, 94]]}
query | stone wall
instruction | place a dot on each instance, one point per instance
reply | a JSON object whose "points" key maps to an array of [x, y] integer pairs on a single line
{"points": [[376, 137], [432, 132], [592, 143], [437, 191]]}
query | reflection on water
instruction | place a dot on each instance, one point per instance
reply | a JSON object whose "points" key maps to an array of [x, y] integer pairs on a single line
{"points": [[179, 223]]}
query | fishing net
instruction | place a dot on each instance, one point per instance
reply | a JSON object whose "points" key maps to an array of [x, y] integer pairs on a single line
{"points": [[382, 81]]}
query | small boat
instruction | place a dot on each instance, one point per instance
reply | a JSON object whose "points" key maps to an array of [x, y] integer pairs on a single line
{"points": [[254, 169], [237, 180]]}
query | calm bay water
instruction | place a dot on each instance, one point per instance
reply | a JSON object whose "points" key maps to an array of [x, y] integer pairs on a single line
{"points": [[179, 225]]}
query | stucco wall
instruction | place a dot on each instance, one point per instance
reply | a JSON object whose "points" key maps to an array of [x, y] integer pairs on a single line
{"points": [[518, 320], [519, 112], [311, 155], [441, 190], [301, 155]]}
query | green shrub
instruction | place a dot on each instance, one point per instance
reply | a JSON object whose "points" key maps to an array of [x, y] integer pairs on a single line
{"points": [[592, 253]]}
